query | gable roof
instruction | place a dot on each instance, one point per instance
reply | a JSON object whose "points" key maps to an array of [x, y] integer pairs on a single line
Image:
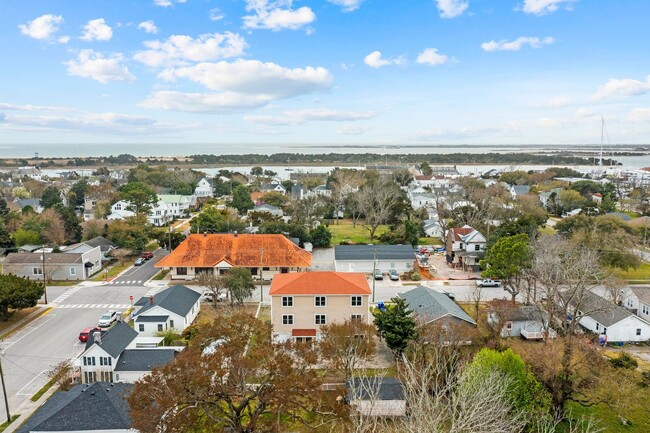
{"points": [[521, 189], [85, 407], [466, 234], [144, 359], [245, 250], [432, 305], [115, 340], [177, 299], [367, 252], [380, 388], [604, 312], [33, 202], [642, 292], [37, 258], [101, 242], [319, 283]]}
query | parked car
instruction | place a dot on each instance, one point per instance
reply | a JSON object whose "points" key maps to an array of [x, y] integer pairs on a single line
{"points": [[208, 296], [139, 262], [147, 255], [488, 283], [378, 275], [450, 295], [85, 334], [107, 319], [439, 249], [394, 276]]}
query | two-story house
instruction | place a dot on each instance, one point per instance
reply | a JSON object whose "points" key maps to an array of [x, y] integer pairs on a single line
{"points": [[465, 247], [173, 308], [304, 301], [178, 205], [121, 210], [204, 188], [637, 299]]}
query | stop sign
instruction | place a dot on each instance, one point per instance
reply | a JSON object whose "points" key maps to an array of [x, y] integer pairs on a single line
{"points": [[131, 297]]}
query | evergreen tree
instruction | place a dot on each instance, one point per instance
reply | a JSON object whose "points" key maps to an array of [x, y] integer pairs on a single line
{"points": [[50, 197], [18, 292], [6, 241], [321, 237], [4, 210], [241, 199], [73, 229], [395, 325]]}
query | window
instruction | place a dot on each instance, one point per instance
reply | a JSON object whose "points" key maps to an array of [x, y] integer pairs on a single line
{"points": [[171, 322], [509, 326], [356, 317], [319, 319], [105, 360], [266, 268], [160, 327], [90, 376], [319, 301], [304, 339], [89, 360], [477, 247], [37, 271], [356, 301], [287, 319], [253, 271], [181, 271], [645, 309], [638, 331], [73, 271], [597, 326], [106, 376], [141, 327], [287, 301], [284, 270], [605, 331]]}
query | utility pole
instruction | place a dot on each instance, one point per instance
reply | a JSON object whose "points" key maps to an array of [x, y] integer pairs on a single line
{"points": [[170, 236], [374, 268], [261, 275], [4, 391], [43, 269]]}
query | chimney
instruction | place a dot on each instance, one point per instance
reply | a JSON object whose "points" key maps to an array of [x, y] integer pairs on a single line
{"points": [[151, 300], [97, 337], [235, 233], [205, 234]]}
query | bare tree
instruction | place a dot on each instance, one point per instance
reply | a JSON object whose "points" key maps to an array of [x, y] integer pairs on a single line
{"points": [[347, 344], [376, 201], [475, 298], [551, 424], [54, 231], [215, 283], [120, 254]]}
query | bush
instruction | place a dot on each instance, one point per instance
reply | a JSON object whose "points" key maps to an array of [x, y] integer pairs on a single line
{"points": [[624, 360], [645, 379], [416, 276]]}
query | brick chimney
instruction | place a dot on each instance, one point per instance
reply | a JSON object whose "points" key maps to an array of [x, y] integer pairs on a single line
{"points": [[97, 337], [151, 300]]}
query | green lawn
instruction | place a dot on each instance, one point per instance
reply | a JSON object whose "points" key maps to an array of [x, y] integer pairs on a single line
{"points": [[430, 241], [112, 271], [161, 275], [640, 273], [345, 232], [152, 246]]}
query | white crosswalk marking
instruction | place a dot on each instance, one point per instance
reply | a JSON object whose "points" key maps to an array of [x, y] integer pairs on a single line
{"points": [[65, 295], [97, 306]]}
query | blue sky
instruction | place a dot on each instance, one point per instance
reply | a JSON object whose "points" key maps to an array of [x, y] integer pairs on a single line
{"points": [[335, 71]]}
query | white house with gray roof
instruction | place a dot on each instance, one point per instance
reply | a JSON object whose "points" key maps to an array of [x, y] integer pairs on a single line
{"points": [[204, 188], [617, 323], [359, 258], [637, 300], [67, 265], [431, 306], [173, 308]]}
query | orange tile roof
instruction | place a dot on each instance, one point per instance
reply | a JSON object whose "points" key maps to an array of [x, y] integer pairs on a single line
{"points": [[205, 251], [319, 283], [457, 232], [255, 196]]}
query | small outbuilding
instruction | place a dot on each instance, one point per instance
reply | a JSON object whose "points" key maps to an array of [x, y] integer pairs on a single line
{"points": [[360, 258], [376, 396]]}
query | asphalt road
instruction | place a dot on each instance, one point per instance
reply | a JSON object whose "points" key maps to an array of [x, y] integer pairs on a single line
{"points": [[29, 354], [137, 275]]}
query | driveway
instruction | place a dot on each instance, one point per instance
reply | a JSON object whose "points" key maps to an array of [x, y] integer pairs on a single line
{"points": [[322, 259], [443, 271]]}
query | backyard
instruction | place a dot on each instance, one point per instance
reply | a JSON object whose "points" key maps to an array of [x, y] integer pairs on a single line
{"points": [[345, 231]]}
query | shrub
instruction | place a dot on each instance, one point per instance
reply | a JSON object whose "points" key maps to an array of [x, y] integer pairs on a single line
{"points": [[624, 360], [416, 276]]}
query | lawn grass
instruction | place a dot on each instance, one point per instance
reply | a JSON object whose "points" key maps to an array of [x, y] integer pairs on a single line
{"points": [[345, 232], [6, 424], [112, 271], [265, 314], [152, 246], [62, 283], [161, 275], [48, 385], [638, 415], [640, 273], [430, 241], [547, 231], [16, 317]]}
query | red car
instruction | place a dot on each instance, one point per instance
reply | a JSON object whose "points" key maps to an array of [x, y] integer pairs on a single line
{"points": [[85, 334], [147, 255]]}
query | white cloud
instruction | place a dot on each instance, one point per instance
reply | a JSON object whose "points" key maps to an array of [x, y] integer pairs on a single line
{"points": [[584, 113], [432, 57], [347, 5], [451, 8], [276, 15], [41, 28], [94, 65], [543, 7], [352, 130], [30, 107], [167, 3], [517, 44], [556, 102], [181, 48], [63, 39], [97, 30], [148, 26], [204, 102], [640, 115], [297, 117], [625, 87], [216, 14], [375, 60], [255, 77]]}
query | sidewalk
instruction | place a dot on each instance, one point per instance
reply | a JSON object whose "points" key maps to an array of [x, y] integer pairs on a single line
{"points": [[32, 316]]}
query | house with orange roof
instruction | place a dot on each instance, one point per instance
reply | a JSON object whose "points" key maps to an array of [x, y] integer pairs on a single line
{"points": [[264, 254], [302, 302]]}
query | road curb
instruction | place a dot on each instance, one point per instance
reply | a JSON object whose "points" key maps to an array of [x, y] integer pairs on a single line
{"points": [[42, 311]]}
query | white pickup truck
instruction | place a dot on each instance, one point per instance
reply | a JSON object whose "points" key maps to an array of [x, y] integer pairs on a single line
{"points": [[488, 283]]}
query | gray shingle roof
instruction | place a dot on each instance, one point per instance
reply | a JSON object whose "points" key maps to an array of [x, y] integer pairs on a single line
{"points": [[99, 406], [101, 242], [37, 258], [432, 305], [366, 252], [177, 299], [381, 388], [115, 340], [144, 359], [603, 311], [152, 319], [642, 292]]}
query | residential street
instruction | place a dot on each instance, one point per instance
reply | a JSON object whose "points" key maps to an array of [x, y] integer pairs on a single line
{"points": [[139, 274]]}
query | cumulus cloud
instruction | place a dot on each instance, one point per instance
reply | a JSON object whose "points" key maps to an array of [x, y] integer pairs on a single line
{"points": [[297, 117], [451, 8], [375, 60], [41, 28], [63, 39], [615, 88], [182, 48], [431, 56], [584, 113], [97, 30], [640, 115], [276, 15], [544, 7], [167, 3], [347, 5], [94, 65], [216, 14], [148, 26], [225, 102], [517, 44]]}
